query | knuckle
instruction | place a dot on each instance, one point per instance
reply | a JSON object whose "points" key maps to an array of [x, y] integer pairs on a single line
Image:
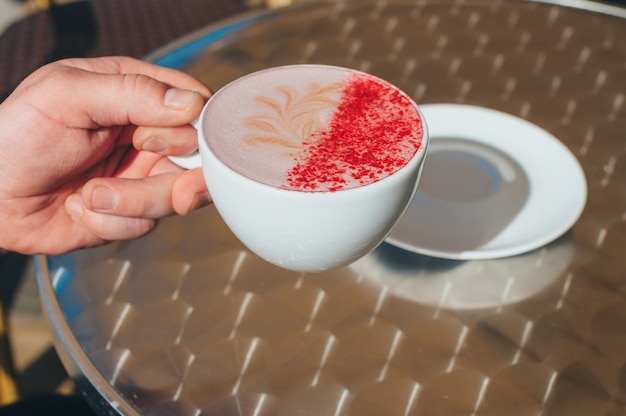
{"points": [[138, 83]]}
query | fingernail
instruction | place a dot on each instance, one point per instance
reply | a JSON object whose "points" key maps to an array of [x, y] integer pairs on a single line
{"points": [[199, 200], [104, 199], [74, 208], [178, 99], [155, 145]]}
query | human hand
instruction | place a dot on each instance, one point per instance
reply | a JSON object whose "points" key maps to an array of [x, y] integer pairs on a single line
{"points": [[83, 153]]}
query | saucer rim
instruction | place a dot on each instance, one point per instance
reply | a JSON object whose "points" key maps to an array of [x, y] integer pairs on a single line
{"points": [[509, 246]]}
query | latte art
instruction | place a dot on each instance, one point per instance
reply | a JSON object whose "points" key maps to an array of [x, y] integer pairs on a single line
{"points": [[293, 118]]}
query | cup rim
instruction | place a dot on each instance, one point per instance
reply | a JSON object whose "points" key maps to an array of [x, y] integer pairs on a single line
{"points": [[414, 162]]}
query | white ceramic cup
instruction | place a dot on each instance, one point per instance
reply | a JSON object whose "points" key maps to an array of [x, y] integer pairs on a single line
{"points": [[301, 230]]}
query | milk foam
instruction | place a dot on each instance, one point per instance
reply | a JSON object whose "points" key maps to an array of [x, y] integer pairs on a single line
{"points": [[261, 125]]}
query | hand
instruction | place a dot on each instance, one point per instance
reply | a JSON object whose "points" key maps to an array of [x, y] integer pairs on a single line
{"points": [[82, 153]]}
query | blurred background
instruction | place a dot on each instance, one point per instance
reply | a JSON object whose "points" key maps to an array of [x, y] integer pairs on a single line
{"points": [[10, 10], [13, 10]]}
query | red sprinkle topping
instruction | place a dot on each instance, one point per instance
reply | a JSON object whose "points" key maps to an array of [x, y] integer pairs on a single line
{"points": [[374, 131]]}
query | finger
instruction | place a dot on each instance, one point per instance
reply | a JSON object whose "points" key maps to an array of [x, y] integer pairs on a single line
{"points": [[178, 141], [159, 178], [190, 192], [105, 226], [148, 197]]}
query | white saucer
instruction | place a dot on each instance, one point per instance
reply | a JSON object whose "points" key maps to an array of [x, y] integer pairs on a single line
{"points": [[493, 185]]}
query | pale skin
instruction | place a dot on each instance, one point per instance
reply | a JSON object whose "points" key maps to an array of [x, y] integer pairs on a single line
{"points": [[83, 146]]}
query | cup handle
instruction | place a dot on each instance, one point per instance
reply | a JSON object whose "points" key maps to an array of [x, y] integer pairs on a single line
{"points": [[192, 160]]}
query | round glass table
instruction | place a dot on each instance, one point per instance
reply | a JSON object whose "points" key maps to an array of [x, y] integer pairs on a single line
{"points": [[186, 321]]}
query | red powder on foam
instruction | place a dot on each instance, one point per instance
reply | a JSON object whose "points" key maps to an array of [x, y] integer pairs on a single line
{"points": [[374, 131]]}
